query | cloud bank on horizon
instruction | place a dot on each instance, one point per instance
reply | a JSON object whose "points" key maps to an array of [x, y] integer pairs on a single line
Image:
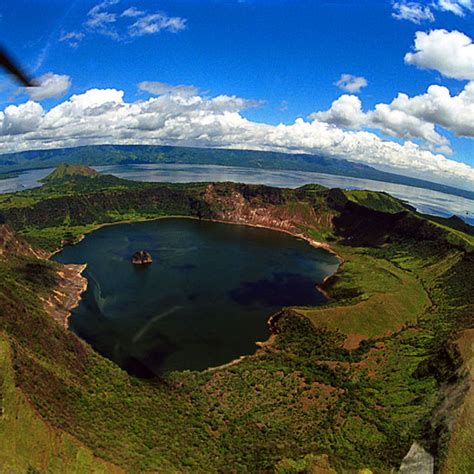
{"points": [[406, 135]]}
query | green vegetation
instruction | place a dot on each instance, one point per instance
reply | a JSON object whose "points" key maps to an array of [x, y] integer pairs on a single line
{"points": [[372, 298], [377, 201], [95, 155], [29, 444], [459, 458], [64, 170], [349, 385]]}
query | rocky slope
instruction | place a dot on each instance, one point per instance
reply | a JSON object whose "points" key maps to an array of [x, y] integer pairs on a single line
{"points": [[10, 243]]}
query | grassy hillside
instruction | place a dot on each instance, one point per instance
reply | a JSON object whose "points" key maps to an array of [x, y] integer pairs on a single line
{"points": [[64, 170], [389, 298], [30, 444], [351, 384]]}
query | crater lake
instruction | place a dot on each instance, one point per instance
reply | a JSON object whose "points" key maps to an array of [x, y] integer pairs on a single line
{"points": [[204, 301]]}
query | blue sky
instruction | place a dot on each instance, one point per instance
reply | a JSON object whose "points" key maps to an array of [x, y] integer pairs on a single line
{"points": [[281, 58]]}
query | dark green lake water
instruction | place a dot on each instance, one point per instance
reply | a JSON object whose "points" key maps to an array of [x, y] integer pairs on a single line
{"points": [[203, 302]]}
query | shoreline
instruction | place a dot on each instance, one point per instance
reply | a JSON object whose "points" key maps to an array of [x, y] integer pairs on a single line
{"points": [[68, 293], [312, 242]]}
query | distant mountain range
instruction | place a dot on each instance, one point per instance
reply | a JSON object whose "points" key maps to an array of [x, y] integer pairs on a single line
{"points": [[97, 155]]}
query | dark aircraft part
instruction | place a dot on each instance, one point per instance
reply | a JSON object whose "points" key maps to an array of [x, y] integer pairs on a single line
{"points": [[7, 63]]}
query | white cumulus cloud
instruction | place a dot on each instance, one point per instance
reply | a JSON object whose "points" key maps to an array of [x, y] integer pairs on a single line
{"points": [[438, 107], [346, 111], [449, 52], [423, 116], [395, 120], [103, 116], [21, 119], [410, 117], [49, 85], [350, 83]]}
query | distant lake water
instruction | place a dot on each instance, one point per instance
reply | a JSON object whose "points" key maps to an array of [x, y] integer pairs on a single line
{"points": [[425, 200], [204, 301]]}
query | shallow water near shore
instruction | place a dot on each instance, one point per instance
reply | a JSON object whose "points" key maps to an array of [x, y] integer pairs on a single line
{"points": [[204, 301]]}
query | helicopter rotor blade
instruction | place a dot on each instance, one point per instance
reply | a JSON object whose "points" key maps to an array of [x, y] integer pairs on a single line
{"points": [[8, 64]]}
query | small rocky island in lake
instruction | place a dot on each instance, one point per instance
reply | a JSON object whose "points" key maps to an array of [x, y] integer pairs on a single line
{"points": [[141, 258]]}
